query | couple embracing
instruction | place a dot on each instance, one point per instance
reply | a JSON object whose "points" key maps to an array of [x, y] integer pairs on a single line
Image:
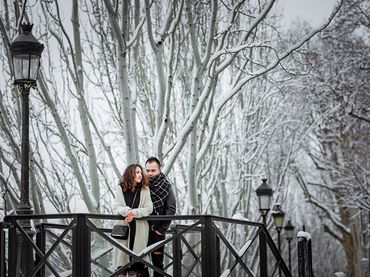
{"points": [[142, 193]]}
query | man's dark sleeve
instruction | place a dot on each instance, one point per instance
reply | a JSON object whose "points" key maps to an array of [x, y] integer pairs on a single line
{"points": [[169, 209]]}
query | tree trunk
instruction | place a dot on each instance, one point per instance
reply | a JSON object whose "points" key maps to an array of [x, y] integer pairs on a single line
{"points": [[352, 246], [82, 109]]}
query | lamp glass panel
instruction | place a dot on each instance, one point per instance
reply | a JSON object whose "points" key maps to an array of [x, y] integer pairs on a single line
{"points": [[279, 221], [21, 65], [34, 65], [265, 202], [289, 234]]}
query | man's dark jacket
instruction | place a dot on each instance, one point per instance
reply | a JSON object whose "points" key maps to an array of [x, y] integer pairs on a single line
{"points": [[168, 208]]}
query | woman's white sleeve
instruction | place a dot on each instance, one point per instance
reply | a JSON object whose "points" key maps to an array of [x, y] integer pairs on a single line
{"points": [[147, 208], [119, 206]]}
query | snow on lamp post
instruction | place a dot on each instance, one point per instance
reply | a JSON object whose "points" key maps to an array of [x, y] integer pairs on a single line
{"points": [[289, 234], [25, 51], [264, 193]]}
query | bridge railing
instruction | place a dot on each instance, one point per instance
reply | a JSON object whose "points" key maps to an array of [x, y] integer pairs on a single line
{"points": [[2, 249], [80, 245]]}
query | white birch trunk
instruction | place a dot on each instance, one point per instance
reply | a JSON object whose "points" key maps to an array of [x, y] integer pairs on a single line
{"points": [[89, 144], [121, 36], [67, 146]]}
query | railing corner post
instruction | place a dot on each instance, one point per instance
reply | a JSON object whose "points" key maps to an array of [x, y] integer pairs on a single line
{"points": [[12, 249], [40, 242], [81, 247], [263, 253], [209, 252], [2, 249], [304, 255], [177, 254]]}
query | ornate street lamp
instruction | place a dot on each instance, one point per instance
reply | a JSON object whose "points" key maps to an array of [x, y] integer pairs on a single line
{"points": [[289, 235], [264, 193], [278, 216], [25, 51]]}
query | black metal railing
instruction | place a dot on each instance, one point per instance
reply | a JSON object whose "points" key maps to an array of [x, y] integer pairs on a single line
{"points": [[79, 245], [2, 249], [304, 257]]}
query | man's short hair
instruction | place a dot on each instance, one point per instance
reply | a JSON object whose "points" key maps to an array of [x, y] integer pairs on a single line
{"points": [[153, 160]]}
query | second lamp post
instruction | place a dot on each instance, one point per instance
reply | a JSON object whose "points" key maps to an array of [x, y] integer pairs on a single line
{"points": [[264, 193], [289, 234], [278, 216]]}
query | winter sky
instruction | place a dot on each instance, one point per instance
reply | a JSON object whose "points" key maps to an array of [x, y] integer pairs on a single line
{"points": [[314, 11]]}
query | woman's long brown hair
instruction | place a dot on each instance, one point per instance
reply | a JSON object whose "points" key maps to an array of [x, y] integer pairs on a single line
{"points": [[127, 180]]}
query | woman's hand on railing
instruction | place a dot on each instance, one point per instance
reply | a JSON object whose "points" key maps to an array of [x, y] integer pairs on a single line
{"points": [[130, 216]]}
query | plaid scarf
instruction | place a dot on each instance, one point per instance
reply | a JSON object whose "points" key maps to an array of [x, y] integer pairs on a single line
{"points": [[159, 189]]}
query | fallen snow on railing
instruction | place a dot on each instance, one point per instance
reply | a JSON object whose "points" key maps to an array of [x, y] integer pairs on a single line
{"points": [[150, 247], [225, 273], [65, 273], [304, 235], [244, 248], [238, 216]]}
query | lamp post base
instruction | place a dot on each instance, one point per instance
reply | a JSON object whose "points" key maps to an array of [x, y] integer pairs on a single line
{"points": [[25, 256]]}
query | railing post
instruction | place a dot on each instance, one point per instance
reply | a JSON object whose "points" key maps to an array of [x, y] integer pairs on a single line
{"points": [[209, 253], [218, 256], [263, 253], [13, 267], [304, 255], [81, 247], [40, 242], [2, 249], [177, 253]]}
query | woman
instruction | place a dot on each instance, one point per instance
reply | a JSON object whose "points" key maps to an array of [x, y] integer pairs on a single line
{"points": [[132, 200]]}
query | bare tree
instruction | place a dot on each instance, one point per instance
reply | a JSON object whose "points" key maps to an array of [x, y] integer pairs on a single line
{"points": [[198, 84], [337, 92]]}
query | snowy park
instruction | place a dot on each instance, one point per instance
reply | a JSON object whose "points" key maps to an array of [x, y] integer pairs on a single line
{"points": [[256, 113]]}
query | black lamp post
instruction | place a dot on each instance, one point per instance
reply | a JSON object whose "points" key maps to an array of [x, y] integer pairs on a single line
{"points": [[278, 216], [289, 234], [264, 193], [26, 52]]}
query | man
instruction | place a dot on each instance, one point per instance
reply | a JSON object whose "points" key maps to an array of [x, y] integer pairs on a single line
{"points": [[164, 203]]}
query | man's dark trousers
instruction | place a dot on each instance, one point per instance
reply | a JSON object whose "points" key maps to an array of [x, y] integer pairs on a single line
{"points": [[157, 259]]}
